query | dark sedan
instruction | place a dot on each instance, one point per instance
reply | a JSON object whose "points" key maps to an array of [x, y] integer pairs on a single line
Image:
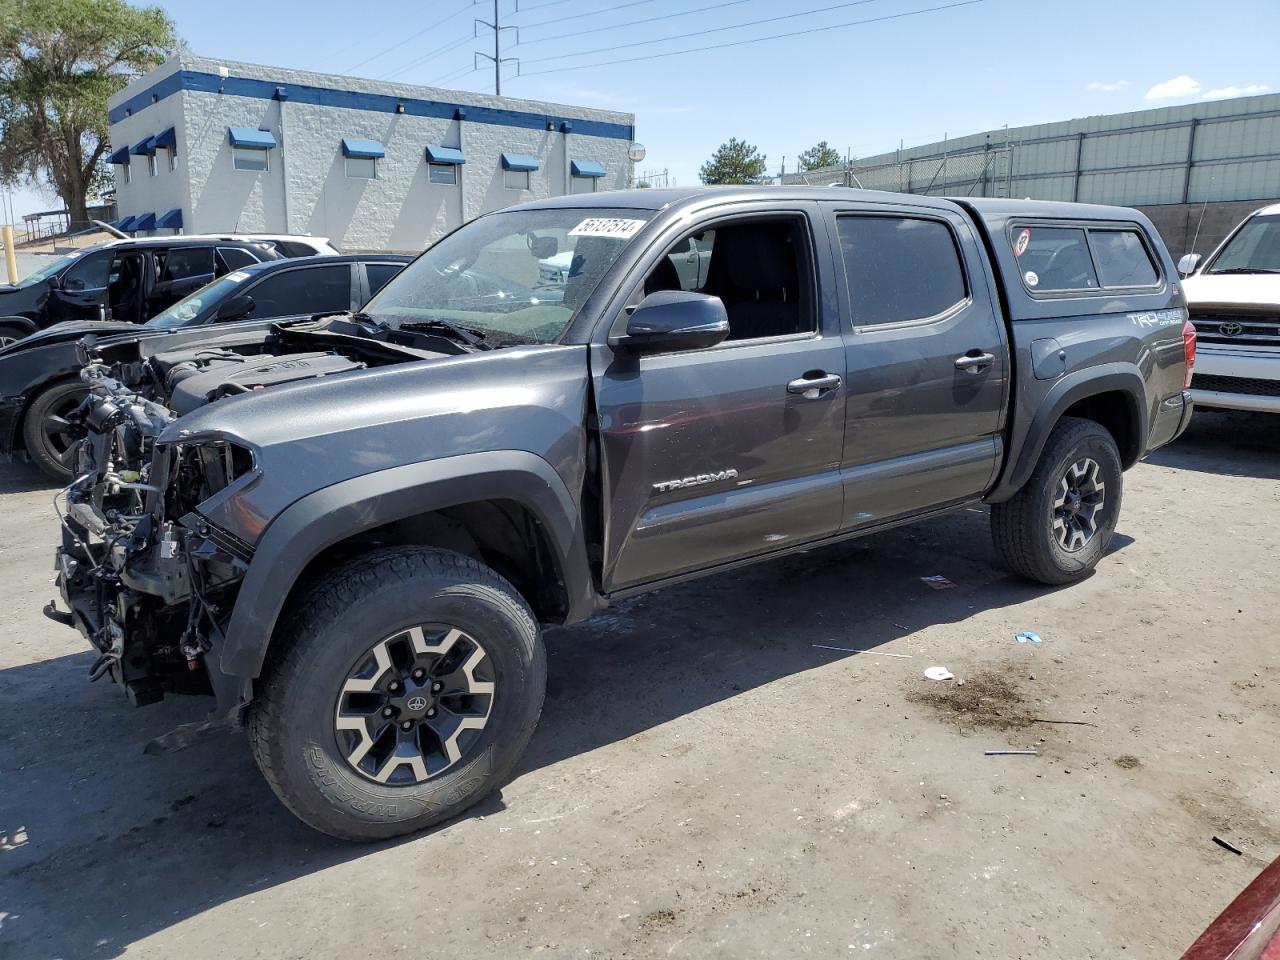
{"points": [[39, 375]]}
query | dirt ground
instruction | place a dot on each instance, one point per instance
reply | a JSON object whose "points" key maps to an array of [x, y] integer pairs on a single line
{"points": [[707, 782]]}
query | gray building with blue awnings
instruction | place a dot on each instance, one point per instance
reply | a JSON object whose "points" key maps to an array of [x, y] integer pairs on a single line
{"points": [[210, 146]]}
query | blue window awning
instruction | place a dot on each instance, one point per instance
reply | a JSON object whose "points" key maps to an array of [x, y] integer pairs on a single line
{"points": [[146, 221], [251, 139], [144, 148], [444, 155], [172, 219], [586, 168], [168, 139], [125, 224], [364, 149], [519, 161], [119, 156]]}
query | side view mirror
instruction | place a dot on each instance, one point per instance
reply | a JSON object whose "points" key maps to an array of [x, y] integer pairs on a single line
{"points": [[237, 308], [55, 283], [670, 320], [1187, 265]]}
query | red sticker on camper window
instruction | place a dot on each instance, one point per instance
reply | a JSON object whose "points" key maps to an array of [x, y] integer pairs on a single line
{"points": [[1024, 240]]}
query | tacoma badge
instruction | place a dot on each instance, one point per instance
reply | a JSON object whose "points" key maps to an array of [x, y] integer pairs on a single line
{"points": [[694, 481]]}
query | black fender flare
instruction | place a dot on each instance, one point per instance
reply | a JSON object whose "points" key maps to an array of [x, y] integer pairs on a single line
{"points": [[22, 323], [336, 512], [1117, 377]]}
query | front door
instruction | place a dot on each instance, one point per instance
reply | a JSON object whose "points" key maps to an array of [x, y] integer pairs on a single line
{"points": [[925, 362], [709, 456], [81, 293]]}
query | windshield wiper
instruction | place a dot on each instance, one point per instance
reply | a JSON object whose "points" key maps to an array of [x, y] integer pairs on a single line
{"points": [[470, 337], [1245, 270]]}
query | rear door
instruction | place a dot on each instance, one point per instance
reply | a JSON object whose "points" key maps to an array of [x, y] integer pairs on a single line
{"points": [[715, 455], [304, 291], [180, 271], [926, 361]]}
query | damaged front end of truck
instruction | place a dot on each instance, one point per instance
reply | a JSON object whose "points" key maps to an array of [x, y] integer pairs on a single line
{"points": [[146, 578]]}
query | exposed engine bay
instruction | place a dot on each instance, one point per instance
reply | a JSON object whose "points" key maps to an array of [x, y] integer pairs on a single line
{"points": [[147, 578]]}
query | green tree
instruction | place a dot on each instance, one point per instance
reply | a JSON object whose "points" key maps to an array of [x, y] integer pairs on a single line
{"points": [[734, 162], [821, 154], [59, 62]]}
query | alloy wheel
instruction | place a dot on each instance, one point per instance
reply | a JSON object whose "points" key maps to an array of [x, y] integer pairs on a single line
{"points": [[59, 436], [411, 708], [1078, 506]]}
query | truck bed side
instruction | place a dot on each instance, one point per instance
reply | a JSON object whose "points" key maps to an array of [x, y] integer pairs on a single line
{"points": [[1112, 355]]}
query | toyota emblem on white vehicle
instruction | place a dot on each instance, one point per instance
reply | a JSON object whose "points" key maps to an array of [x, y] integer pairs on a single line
{"points": [[1231, 329]]}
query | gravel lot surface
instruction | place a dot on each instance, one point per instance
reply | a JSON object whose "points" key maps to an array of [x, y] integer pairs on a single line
{"points": [[706, 782]]}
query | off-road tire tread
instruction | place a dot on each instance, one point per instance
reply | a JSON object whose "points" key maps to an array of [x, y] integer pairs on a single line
{"points": [[336, 592], [1014, 522]]}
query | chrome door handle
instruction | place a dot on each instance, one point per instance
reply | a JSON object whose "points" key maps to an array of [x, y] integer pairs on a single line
{"points": [[813, 388], [975, 362]]}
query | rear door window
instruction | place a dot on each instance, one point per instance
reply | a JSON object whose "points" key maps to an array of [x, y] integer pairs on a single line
{"points": [[885, 260], [1054, 259], [185, 262], [379, 274], [233, 258], [307, 290], [1122, 259]]}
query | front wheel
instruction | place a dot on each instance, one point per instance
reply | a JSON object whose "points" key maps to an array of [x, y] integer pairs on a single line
{"points": [[405, 689], [1056, 528], [47, 432]]}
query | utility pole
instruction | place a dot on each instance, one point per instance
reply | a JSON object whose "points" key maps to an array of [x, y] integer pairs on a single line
{"points": [[497, 57]]}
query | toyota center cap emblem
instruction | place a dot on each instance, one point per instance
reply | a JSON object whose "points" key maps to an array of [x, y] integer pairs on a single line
{"points": [[417, 703]]}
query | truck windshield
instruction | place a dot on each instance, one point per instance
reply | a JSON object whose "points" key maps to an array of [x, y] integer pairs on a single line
{"points": [[1254, 249], [513, 277]]}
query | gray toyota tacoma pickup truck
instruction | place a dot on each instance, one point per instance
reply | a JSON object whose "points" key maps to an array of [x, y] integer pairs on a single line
{"points": [[348, 530]]}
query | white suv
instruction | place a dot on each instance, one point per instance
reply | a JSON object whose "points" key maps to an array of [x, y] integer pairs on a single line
{"points": [[1234, 301]]}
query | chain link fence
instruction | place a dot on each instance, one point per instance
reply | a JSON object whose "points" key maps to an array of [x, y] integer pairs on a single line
{"points": [[977, 173]]}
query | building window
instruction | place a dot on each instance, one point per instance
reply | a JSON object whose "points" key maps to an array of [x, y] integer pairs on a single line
{"points": [[516, 179], [362, 168], [243, 158], [152, 167], [173, 158], [582, 184], [125, 168], [443, 172]]}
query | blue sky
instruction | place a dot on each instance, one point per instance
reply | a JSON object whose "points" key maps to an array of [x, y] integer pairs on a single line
{"points": [[862, 87]]}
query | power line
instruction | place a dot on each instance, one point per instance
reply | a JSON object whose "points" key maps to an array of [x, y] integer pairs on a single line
{"points": [[710, 30], [411, 37], [453, 75], [539, 6], [582, 16], [776, 36], [632, 23], [419, 61]]}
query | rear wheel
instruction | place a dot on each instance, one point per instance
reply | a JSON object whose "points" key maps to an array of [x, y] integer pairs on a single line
{"points": [[405, 689], [1056, 528], [47, 431]]}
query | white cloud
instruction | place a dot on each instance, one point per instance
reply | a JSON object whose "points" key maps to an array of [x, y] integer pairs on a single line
{"points": [[1108, 87], [1182, 86], [1218, 93]]}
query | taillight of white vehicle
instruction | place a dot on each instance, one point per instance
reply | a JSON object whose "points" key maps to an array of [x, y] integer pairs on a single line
{"points": [[1188, 351]]}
